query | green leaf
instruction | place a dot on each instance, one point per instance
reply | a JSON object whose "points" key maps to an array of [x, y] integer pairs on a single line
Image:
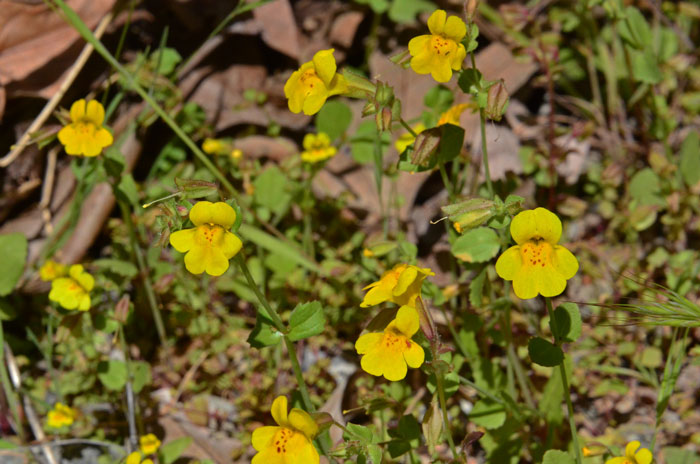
{"points": [[690, 159], [358, 432], [557, 457], [645, 67], [7, 311], [477, 245], [405, 11], [13, 249], [487, 413], [652, 357], [334, 119], [552, 397], [645, 188], [471, 81], [141, 375], [439, 98], [634, 29], [127, 191], [476, 289], [166, 59], [307, 319], [676, 455], [378, 6], [271, 190], [263, 334], [568, 322], [117, 266], [112, 374], [544, 353], [451, 143], [171, 451]]}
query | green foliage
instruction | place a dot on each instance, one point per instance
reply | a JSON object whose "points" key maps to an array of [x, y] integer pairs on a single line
{"points": [[557, 457], [488, 414], [477, 245], [544, 353], [568, 322], [307, 320], [690, 159], [13, 249], [171, 451], [334, 119], [362, 143], [113, 374]]}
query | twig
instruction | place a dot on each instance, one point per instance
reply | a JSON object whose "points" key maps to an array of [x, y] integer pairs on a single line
{"points": [[47, 189], [53, 102]]}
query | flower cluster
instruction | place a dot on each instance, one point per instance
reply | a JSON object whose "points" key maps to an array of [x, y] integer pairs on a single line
{"points": [[85, 135], [317, 148], [290, 441], [71, 290], [210, 244], [392, 351], [61, 416]]}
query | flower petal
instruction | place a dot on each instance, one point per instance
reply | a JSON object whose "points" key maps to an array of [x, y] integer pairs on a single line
{"points": [[378, 294], [314, 102], [338, 85], [216, 262], [268, 456], [219, 213], [509, 263], [279, 411], [324, 64], [564, 262], [407, 321], [532, 223], [549, 282], [293, 93], [309, 141], [86, 281], [373, 362], [414, 355], [231, 245], [525, 284], [84, 302], [436, 22], [183, 240], [631, 448], [77, 110], [301, 452], [644, 456], [422, 63], [196, 259], [368, 342], [455, 28], [406, 278], [103, 137], [262, 436], [441, 71], [394, 366], [418, 45], [617, 461], [458, 58], [95, 112], [303, 422]]}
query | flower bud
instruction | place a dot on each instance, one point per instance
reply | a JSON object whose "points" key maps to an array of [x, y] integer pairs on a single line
{"points": [[191, 188], [383, 120], [358, 86], [497, 101], [121, 310], [384, 95], [369, 109]]}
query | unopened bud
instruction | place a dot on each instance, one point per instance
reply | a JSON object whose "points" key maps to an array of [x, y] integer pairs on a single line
{"points": [[470, 8], [497, 101], [182, 210], [383, 120], [369, 109], [425, 146], [384, 95], [472, 219], [358, 86], [121, 310], [192, 188]]}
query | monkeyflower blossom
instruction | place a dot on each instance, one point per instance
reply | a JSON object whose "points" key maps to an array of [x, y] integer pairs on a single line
{"points": [[317, 148], [537, 265], [632, 456], [210, 244], [400, 285], [52, 270], [441, 51], [308, 87], [389, 353], [214, 146], [135, 458], [61, 416], [290, 441], [84, 135], [73, 291], [149, 444]]}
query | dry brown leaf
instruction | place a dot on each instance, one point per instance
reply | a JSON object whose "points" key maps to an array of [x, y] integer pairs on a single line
{"points": [[279, 28]]}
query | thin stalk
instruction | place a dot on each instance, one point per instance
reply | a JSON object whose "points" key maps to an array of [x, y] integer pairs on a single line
{"points": [[378, 174], [565, 384], [445, 419], [74, 20], [145, 275], [408, 128], [484, 149], [446, 181], [7, 386], [481, 391]]}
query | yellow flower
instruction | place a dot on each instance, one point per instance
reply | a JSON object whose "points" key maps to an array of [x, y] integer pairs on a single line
{"points": [[388, 353], [439, 52], [537, 265], [236, 154], [61, 416], [407, 138], [367, 253], [451, 116], [134, 458], [632, 456], [213, 146], [290, 442], [85, 134], [400, 285], [210, 244], [308, 87], [149, 444], [52, 270], [317, 148], [73, 292]]}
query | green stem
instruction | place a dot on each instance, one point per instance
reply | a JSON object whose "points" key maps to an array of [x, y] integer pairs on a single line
{"points": [[408, 128], [484, 149], [145, 275], [446, 180], [378, 174], [445, 419], [7, 386], [565, 384], [74, 20]]}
